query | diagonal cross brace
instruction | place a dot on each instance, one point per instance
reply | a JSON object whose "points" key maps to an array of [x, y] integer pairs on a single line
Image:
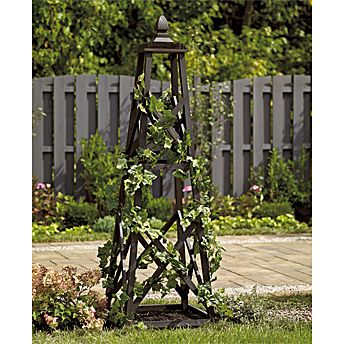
{"points": [[163, 266]]}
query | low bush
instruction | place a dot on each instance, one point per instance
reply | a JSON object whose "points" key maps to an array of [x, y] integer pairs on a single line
{"points": [[64, 300], [273, 209], [78, 213], [54, 232], [245, 309], [105, 224], [101, 175], [222, 206], [240, 225], [160, 208]]}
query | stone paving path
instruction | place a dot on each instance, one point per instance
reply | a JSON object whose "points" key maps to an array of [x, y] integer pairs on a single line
{"points": [[271, 263]]}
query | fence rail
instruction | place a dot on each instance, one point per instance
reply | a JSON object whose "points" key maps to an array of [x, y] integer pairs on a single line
{"points": [[268, 112]]}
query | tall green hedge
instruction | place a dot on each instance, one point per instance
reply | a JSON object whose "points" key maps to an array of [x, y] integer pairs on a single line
{"points": [[226, 39]]}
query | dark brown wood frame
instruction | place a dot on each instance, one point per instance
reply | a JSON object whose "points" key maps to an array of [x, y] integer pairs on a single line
{"points": [[136, 138]]}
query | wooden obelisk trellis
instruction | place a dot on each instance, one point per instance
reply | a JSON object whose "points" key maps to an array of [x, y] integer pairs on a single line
{"points": [[136, 138]]}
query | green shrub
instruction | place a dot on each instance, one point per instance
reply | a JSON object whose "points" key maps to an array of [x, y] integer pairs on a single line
{"points": [[273, 209], [105, 224], [245, 309], [234, 225], [280, 184], [64, 300], [286, 180], [222, 206], [101, 175], [54, 233], [160, 208], [78, 213]]}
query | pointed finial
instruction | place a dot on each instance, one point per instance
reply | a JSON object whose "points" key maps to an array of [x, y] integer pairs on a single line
{"points": [[161, 28]]}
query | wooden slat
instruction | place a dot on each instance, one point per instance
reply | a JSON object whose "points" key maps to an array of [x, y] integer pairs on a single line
{"points": [[260, 122], [240, 88], [61, 83], [300, 82], [126, 84], [108, 111], [279, 113], [42, 141], [84, 129], [69, 148], [37, 140]]}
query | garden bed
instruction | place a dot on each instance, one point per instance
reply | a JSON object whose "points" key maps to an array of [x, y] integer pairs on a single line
{"points": [[171, 316]]}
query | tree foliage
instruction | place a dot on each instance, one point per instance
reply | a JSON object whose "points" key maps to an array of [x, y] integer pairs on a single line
{"points": [[226, 39]]}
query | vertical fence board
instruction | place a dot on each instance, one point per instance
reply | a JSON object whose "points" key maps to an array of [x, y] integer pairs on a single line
{"points": [[37, 140], [42, 141], [241, 88], [60, 128], [108, 112], [48, 124], [300, 82], [85, 109], [261, 120], [280, 112], [69, 154], [126, 84]]}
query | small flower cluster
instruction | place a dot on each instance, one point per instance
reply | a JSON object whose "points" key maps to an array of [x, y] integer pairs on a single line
{"points": [[256, 188], [43, 203], [64, 299]]}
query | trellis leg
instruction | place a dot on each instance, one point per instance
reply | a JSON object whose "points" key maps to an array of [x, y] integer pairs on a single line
{"points": [[138, 195], [134, 113], [179, 207]]}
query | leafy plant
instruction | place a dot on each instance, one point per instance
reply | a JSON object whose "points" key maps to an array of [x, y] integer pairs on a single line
{"points": [[160, 208], [245, 309], [54, 232], [78, 213], [64, 300], [286, 180], [43, 203], [273, 209], [242, 225], [281, 184], [101, 173], [105, 224], [225, 41], [222, 206]]}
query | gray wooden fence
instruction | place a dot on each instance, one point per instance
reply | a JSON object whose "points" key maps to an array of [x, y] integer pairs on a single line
{"points": [[268, 112]]}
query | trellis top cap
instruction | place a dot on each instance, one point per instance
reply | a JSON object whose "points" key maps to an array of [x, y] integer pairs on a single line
{"points": [[161, 28]]}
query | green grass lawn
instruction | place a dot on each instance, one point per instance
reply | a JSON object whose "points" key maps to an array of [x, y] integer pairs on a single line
{"points": [[298, 333], [270, 329]]}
